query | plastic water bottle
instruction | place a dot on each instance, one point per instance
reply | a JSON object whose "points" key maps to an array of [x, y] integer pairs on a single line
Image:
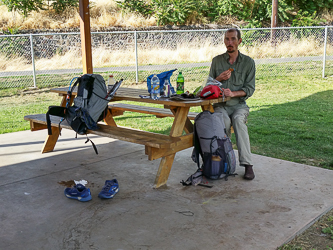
{"points": [[166, 88], [111, 80], [162, 89], [180, 83], [155, 87]]}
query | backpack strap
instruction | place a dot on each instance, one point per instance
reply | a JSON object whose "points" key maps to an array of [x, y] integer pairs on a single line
{"points": [[54, 110], [70, 90], [197, 147], [93, 144], [195, 179]]}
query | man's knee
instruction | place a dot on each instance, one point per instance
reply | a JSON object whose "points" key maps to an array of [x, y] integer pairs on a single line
{"points": [[239, 118]]}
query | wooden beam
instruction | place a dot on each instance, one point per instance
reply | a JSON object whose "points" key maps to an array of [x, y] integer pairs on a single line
{"points": [[85, 37]]}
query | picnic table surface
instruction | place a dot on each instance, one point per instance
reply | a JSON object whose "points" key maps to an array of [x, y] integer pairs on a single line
{"points": [[133, 94]]}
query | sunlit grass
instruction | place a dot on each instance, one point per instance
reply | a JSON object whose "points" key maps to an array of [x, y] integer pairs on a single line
{"points": [[290, 117]]}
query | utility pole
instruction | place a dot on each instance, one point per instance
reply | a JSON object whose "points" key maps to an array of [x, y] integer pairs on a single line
{"points": [[274, 20], [85, 37]]}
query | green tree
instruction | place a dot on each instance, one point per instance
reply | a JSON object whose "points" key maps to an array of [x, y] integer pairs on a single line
{"points": [[26, 6], [23, 6], [256, 13], [61, 5]]}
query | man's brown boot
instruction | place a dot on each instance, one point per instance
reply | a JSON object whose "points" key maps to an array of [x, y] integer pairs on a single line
{"points": [[249, 174]]}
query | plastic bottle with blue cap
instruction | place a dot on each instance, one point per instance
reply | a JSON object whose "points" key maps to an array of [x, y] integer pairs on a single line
{"points": [[155, 87]]}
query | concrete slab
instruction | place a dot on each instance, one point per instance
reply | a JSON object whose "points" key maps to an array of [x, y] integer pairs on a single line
{"points": [[235, 214]]}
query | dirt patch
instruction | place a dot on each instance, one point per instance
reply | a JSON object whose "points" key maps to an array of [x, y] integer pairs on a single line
{"points": [[69, 183]]}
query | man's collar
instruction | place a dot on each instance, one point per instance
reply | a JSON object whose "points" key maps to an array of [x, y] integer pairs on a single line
{"points": [[238, 59]]}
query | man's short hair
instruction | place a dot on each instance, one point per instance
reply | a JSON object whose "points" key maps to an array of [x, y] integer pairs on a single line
{"points": [[233, 30]]}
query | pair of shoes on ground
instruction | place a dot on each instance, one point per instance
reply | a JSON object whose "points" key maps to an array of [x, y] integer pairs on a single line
{"points": [[81, 193]]}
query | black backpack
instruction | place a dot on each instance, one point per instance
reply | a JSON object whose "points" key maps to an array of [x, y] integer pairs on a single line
{"points": [[90, 105]]}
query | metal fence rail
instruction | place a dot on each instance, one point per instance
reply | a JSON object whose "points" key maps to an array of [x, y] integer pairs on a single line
{"points": [[41, 60]]}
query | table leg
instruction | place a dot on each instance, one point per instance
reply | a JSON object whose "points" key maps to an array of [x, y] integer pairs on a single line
{"points": [[188, 124], [164, 170], [178, 126], [109, 119], [179, 122], [207, 107], [51, 140]]}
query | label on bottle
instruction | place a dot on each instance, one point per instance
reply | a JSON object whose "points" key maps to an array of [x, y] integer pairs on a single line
{"points": [[180, 84], [180, 87]]}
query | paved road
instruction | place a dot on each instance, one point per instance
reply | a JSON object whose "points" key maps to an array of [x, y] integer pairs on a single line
{"points": [[157, 67]]}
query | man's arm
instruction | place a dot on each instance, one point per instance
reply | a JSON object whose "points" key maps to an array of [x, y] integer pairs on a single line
{"points": [[229, 93], [249, 84]]}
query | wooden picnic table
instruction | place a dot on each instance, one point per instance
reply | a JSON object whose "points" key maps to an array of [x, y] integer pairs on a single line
{"points": [[156, 145]]}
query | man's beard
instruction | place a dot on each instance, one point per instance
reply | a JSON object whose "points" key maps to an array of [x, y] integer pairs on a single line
{"points": [[231, 49]]}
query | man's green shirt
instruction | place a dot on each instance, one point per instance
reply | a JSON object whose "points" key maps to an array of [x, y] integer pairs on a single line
{"points": [[242, 78]]}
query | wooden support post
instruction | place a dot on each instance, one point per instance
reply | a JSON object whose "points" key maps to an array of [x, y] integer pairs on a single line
{"points": [[188, 124], [274, 20], [85, 37], [177, 128]]}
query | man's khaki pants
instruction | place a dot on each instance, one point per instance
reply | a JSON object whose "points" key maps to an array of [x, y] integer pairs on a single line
{"points": [[237, 117]]}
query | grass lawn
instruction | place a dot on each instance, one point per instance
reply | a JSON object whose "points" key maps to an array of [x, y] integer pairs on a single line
{"points": [[290, 118]]}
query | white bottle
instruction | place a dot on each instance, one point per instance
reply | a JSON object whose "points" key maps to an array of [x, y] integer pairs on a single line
{"points": [[155, 87], [111, 80], [166, 88]]}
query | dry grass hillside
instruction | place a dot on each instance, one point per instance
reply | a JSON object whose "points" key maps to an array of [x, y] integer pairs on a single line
{"points": [[103, 13]]}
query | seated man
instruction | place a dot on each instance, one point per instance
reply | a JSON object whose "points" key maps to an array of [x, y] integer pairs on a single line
{"points": [[236, 72]]}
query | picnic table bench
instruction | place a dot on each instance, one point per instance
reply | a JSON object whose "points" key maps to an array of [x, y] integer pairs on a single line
{"points": [[156, 145]]}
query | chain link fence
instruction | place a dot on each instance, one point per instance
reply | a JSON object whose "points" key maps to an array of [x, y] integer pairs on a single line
{"points": [[48, 60]]}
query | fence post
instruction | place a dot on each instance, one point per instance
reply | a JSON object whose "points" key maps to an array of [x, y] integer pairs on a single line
{"points": [[136, 58], [324, 58], [33, 61]]}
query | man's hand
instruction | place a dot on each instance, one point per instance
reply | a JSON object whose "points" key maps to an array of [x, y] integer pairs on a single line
{"points": [[229, 93], [224, 76]]}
